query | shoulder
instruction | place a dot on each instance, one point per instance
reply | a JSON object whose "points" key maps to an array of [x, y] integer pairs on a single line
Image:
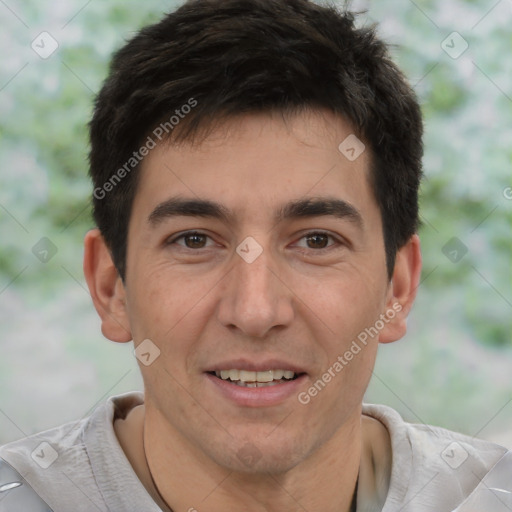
{"points": [[59, 463], [434, 444], [433, 465], [52, 461]]}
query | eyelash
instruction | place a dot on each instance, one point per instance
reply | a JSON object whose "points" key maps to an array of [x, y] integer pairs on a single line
{"points": [[306, 235]]}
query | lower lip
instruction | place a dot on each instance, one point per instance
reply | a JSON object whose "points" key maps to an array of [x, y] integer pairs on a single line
{"points": [[258, 397]]}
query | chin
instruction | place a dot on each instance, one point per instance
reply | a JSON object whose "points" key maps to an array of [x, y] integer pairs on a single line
{"points": [[274, 464], [261, 455]]}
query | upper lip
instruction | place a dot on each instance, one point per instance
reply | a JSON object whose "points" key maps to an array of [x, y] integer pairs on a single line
{"points": [[256, 366]]}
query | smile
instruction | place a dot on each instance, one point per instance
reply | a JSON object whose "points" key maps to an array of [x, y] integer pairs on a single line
{"points": [[250, 379]]}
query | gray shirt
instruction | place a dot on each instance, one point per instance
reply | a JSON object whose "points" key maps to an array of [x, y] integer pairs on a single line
{"points": [[80, 467]]}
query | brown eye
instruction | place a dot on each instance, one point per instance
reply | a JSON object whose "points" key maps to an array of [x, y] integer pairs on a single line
{"points": [[320, 242], [195, 241], [192, 240], [317, 240]]}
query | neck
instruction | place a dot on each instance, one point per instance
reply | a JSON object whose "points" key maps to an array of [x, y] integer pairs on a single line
{"points": [[181, 480], [187, 480]]}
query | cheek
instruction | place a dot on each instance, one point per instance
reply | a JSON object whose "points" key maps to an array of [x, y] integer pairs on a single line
{"points": [[161, 301], [344, 304], [335, 394], [344, 313], [172, 311]]}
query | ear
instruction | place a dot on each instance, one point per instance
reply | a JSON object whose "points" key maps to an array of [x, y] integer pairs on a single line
{"points": [[106, 288], [402, 290]]}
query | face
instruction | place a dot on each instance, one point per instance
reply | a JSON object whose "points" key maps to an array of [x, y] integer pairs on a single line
{"points": [[231, 271]]}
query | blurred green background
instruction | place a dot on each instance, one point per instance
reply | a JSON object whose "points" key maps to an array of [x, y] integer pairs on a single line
{"points": [[453, 369]]}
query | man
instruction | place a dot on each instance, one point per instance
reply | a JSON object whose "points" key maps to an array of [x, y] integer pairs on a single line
{"points": [[256, 166]]}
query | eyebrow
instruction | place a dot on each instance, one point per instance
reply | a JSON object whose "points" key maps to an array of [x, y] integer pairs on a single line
{"points": [[302, 208]]}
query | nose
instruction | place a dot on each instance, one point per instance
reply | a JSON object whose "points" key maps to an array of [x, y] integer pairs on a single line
{"points": [[255, 297]]}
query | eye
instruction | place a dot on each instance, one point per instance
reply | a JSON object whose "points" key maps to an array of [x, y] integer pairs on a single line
{"points": [[191, 240], [318, 240]]}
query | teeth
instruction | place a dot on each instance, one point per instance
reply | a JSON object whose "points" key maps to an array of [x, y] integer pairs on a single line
{"points": [[267, 376], [254, 379], [279, 374], [246, 376], [255, 384]]}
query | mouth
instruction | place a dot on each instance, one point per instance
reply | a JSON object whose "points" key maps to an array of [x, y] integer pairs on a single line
{"points": [[250, 383], [253, 379]]}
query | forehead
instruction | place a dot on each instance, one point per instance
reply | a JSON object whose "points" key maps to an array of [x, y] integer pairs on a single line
{"points": [[257, 163]]}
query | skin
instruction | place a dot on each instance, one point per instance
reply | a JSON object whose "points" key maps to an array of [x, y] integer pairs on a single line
{"points": [[298, 301]]}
